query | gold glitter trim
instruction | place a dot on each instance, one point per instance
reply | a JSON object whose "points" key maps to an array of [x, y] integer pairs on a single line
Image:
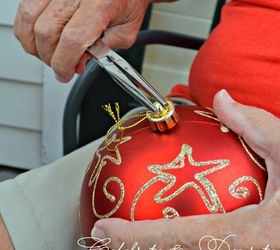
{"points": [[89, 165], [243, 192], [225, 129], [250, 155], [102, 161], [213, 205], [111, 197], [170, 213], [211, 115]]}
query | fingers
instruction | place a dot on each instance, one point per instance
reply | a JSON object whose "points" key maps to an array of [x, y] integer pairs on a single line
{"points": [[28, 13], [188, 232], [123, 33], [123, 30], [259, 128], [128, 233], [50, 24], [120, 22], [118, 37], [44, 29], [59, 31], [80, 68], [144, 233], [84, 28]]}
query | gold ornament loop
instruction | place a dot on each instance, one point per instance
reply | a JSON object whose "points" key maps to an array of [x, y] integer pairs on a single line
{"points": [[119, 123]]}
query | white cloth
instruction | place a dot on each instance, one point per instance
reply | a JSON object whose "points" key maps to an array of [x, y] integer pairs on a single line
{"points": [[40, 207]]}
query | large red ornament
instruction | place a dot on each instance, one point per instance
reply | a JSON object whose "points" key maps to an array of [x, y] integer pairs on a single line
{"points": [[199, 167]]}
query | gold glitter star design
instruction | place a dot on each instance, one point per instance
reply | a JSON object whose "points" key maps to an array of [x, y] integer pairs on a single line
{"points": [[213, 204], [102, 161]]}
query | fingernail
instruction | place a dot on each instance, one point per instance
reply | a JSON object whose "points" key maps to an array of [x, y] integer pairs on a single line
{"points": [[98, 233], [226, 97]]}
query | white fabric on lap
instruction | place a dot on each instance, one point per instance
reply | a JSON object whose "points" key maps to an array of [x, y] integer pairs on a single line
{"points": [[40, 207]]}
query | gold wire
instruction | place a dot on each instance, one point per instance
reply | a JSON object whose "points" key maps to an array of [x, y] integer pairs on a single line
{"points": [[119, 122]]}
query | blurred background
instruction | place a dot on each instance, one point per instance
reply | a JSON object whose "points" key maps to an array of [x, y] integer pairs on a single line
{"points": [[32, 101]]}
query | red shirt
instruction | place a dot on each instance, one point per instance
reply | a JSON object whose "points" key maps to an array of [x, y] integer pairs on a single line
{"points": [[241, 55]]}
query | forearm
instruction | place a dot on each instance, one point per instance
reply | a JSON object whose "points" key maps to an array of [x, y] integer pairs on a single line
{"points": [[5, 241]]}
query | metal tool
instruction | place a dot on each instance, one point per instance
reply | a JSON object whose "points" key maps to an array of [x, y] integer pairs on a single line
{"points": [[161, 111], [126, 76]]}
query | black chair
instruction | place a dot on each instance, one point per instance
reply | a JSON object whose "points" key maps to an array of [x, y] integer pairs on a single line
{"points": [[84, 118]]}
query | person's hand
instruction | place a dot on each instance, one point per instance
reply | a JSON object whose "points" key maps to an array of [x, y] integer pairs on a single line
{"points": [[59, 31], [255, 226]]}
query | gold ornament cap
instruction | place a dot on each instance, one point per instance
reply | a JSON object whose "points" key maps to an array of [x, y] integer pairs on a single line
{"points": [[165, 119]]}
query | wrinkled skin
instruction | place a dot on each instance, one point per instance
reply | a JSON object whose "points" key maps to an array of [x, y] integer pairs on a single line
{"points": [[255, 226], [59, 31]]}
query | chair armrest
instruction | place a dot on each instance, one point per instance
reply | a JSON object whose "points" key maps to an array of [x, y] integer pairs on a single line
{"points": [[169, 38]]}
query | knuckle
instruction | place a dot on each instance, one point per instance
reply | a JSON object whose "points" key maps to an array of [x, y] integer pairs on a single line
{"points": [[31, 51], [26, 12], [42, 31], [30, 48], [71, 39]]}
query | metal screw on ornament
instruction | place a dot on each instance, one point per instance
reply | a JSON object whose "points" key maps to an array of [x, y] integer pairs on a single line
{"points": [[162, 113]]}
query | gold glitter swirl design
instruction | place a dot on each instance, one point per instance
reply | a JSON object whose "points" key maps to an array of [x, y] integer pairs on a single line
{"points": [[212, 116], [225, 129], [102, 161], [109, 196], [170, 213], [243, 192], [250, 155], [213, 204]]}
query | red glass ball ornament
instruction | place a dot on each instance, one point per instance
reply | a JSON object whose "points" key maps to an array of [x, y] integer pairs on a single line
{"points": [[199, 167]]}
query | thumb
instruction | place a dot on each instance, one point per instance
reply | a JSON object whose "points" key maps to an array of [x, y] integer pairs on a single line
{"points": [[144, 234], [177, 233], [259, 128]]}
